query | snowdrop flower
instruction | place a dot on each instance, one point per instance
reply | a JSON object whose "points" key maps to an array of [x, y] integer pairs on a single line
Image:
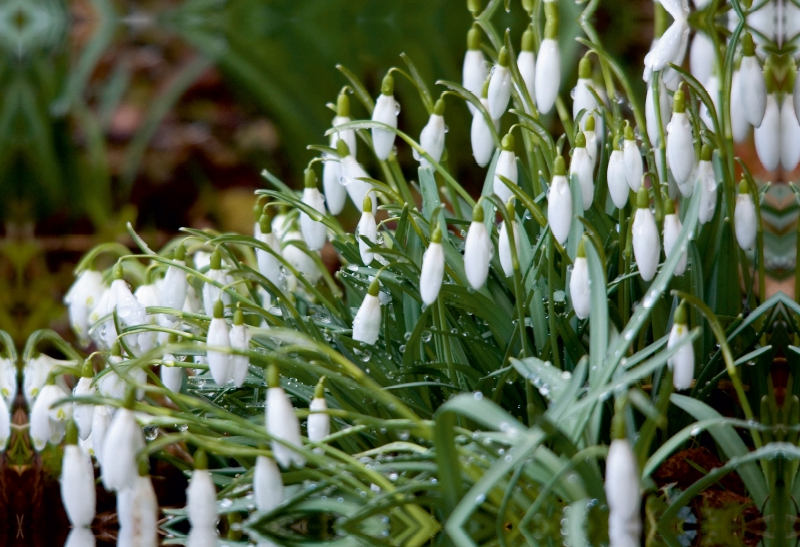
{"points": [[101, 419], [81, 299], [367, 228], [682, 362], [506, 167], [171, 374], [385, 112], [77, 482], [701, 57], [581, 167], [351, 172], [504, 244], [367, 322], [201, 495], [335, 192], [269, 265], [432, 274], [299, 259], [584, 98], [35, 375], [8, 381], [744, 217], [499, 85], [672, 228], [173, 293], [579, 283], [313, 230], [622, 486], [267, 484], [671, 46], [752, 87], [342, 117], [559, 202], [617, 181], [474, 68], [653, 131], [646, 246], [110, 384], [591, 139], [481, 136], [548, 62], [319, 423], [633, 160], [83, 413], [219, 362], [148, 295], [123, 440], [680, 148], [526, 62], [5, 424], [137, 511], [282, 423], [48, 423], [767, 135], [240, 340], [478, 249], [431, 139], [708, 185], [739, 124], [790, 135], [282, 223], [212, 293]]}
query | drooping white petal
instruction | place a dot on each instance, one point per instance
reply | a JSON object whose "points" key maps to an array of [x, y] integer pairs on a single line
{"points": [[499, 91], [646, 244], [584, 99], [43, 417], [478, 252], [219, 362], [579, 288], [432, 274], [506, 167], [137, 512], [634, 168], [790, 135], [171, 376], [267, 484], [617, 181], [5, 424], [212, 293], [739, 123], [753, 90], [77, 486], [299, 258], [672, 228], [744, 220], [240, 364], [319, 423], [680, 152], [548, 75], [682, 363], [367, 228], [314, 231], [559, 208], [669, 48], [650, 112], [8, 381], [123, 440], [768, 134], [367, 322], [526, 63], [504, 247], [712, 88], [201, 500], [175, 285], [83, 413], [335, 192], [708, 184], [431, 139], [701, 57], [81, 299], [474, 73], [356, 189], [622, 486], [385, 112], [581, 166], [347, 135], [481, 138], [268, 264], [282, 424]]}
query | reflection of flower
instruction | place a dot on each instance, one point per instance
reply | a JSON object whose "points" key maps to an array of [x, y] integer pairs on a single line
{"points": [[623, 495]]}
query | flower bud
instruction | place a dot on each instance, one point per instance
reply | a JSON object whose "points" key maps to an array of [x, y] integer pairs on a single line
{"points": [[680, 146], [506, 167], [432, 273], [633, 160], [672, 228], [768, 134], [343, 117], [122, 442], [481, 136], [548, 75], [240, 341], [478, 250], [739, 124], [81, 299], [474, 68], [282, 423], [682, 362], [701, 56], [319, 422], [591, 139], [351, 173], [584, 99], [367, 228], [753, 88], [201, 495], [219, 361], [646, 245], [171, 375], [367, 322], [83, 413], [48, 423], [526, 62], [504, 242], [313, 230], [623, 495], [77, 484], [137, 512], [385, 112], [335, 192], [579, 284], [708, 184], [211, 292], [499, 86], [559, 203], [617, 181], [431, 139], [744, 218], [581, 167], [267, 484], [712, 88]]}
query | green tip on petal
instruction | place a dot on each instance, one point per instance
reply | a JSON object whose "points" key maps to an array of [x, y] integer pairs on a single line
{"points": [[436, 236], [705, 153], [680, 317], [438, 108], [474, 38], [130, 398], [319, 391], [366, 205], [265, 223], [200, 459], [143, 467], [216, 260], [180, 252], [559, 167], [477, 212], [748, 48], [679, 102], [589, 124], [342, 149], [117, 272], [527, 39], [374, 287], [582, 248], [343, 105], [744, 188], [485, 89], [508, 142], [629, 132], [273, 377], [585, 68], [72, 433], [310, 180], [238, 317], [580, 140], [87, 370], [116, 351], [219, 309], [643, 198], [669, 206], [502, 57], [387, 87]]}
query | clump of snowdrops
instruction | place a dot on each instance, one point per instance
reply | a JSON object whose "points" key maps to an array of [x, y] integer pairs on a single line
{"points": [[487, 365]]}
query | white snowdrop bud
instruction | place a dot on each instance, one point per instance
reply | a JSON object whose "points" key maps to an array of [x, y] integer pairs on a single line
{"points": [[201, 495], [8, 381], [708, 185], [481, 135], [650, 112], [504, 242], [335, 192], [81, 299], [171, 374], [240, 340], [790, 135], [559, 202], [591, 139], [35, 375], [506, 167], [282, 423], [342, 117], [5, 424], [584, 99], [319, 422], [672, 228], [351, 173], [633, 160], [474, 68], [267, 484], [367, 322], [548, 64], [299, 259], [101, 419], [137, 512], [148, 295], [682, 362], [526, 63], [83, 413], [77, 481], [49, 423], [646, 245], [617, 182], [129, 311], [219, 362], [313, 230], [268, 263], [431, 139], [701, 57], [579, 284], [670, 47], [432, 274], [173, 293], [753, 88], [367, 228], [712, 88], [622, 486], [478, 250], [581, 167], [768, 134], [739, 124], [212, 293], [680, 146], [123, 440], [385, 112], [744, 217], [499, 86]]}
